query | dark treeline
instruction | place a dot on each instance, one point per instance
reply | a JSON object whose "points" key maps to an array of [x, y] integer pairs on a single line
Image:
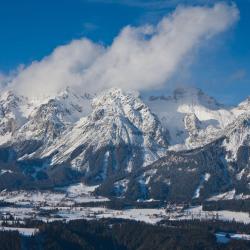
{"points": [[119, 204], [115, 234], [210, 225], [232, 205], [10, 240]]}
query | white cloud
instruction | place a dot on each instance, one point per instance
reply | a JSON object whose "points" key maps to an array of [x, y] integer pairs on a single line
{"points": [[64, 67], [139, 58]]}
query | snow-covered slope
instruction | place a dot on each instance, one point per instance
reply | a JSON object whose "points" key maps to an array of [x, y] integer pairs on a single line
{"points": [[48, 120], [13, 113], [188, 118], [121, 133], [237, 135], [192, 118], [24, 121]]}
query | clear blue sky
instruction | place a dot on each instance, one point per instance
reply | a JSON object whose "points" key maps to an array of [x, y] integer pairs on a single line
{"points": [[31, 29]]}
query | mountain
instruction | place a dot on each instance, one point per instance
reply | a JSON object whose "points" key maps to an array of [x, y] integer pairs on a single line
{"points": [[178, 176], [212, 158], [12, 114], [179, 147], [27, 124], [192, 118], [120, 134]]}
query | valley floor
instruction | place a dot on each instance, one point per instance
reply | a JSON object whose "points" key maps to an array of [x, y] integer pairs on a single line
{"points": [[78, 202]]}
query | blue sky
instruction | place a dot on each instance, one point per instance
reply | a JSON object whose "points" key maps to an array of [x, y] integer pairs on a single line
{"points": [[31, 30]]}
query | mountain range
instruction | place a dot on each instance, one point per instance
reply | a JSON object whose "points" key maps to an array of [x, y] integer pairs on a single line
{"points": [[179, 147]]}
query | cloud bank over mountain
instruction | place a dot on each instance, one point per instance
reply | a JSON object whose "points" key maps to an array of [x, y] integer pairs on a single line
{"points": [[139, 58]]}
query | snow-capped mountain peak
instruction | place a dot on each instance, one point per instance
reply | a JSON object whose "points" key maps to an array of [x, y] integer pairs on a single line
{"points": [[173, 110], [13, 113], [120, 132], [195, 96], [39, 121]]}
